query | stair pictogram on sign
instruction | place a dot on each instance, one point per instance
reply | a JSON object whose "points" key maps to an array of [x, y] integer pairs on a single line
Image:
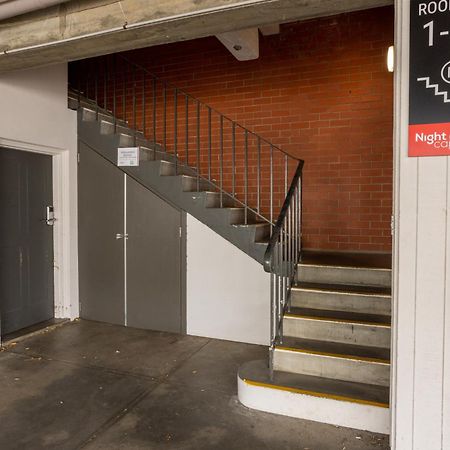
{"points": [[437, 92]]}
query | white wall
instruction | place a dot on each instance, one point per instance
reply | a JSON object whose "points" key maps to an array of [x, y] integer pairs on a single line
{"points": [[421, 318], [34, 117], [228, 293]]}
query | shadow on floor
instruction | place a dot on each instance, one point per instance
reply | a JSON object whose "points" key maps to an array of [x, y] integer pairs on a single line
{"points": [[98, 386]]}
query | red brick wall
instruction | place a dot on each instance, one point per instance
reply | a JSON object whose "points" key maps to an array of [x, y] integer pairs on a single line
{"points": [[321, 91]]}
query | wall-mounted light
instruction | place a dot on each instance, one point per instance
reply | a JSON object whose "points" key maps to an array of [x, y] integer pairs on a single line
{"points": [[390, 59]]}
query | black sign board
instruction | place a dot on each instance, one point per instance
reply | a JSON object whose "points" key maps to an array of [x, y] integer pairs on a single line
{"points": [[429, 91]]}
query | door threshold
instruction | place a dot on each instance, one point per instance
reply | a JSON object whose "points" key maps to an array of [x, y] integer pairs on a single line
{"points": [[23, 333]]}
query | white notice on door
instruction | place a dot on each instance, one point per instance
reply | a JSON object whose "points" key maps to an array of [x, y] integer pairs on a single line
{"points": [[128, 156]]}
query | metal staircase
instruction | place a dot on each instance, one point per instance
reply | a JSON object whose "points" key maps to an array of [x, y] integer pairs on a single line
{"points": [[225, 175], [330, 316]]}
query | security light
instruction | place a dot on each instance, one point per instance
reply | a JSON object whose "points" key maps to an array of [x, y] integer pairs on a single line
{"points": [[390, 59]]}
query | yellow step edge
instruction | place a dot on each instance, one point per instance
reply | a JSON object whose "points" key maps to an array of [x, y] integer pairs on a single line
{"points": [[329, 266], [315, 394], [334, 355], [329, 291], [331, 319]]}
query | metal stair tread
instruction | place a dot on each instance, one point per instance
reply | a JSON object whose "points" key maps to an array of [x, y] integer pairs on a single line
{"points": [[339, 316], [256, 224], [255, 220], [335, 349], [258, 374], [343, 289]]}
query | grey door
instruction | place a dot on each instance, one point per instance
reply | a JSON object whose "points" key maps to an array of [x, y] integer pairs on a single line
{"points": [[153, 261], [26, 241], [101, 255], [133, 281]]}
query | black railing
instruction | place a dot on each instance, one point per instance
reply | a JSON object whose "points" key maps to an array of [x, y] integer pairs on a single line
{"points": [[282, 257], [246, 169]]}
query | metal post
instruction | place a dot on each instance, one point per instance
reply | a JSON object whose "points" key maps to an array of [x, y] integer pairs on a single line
{"points": [[258, 178], [271, 184], [165, 117], [209, 143], [233, 159], [221, 161], [246, 175], [134, 103], [187, 129], [96, 89], [87, 80], [124, 103], [78, 66], [114, 93], [175, 129], [143, 104], [105, 80], [198, 145], [285, 174], [154, 111]]}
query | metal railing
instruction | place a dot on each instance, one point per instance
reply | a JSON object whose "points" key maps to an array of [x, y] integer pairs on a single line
{"points": [[246, 169], [282, 257]]}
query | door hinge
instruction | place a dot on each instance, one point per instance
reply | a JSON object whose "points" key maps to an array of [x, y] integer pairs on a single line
{"points": [[78, 158], [392, 225], [181, 232]]}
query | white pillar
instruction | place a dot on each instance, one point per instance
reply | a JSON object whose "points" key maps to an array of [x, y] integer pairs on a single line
{"points": [[421, 314]]}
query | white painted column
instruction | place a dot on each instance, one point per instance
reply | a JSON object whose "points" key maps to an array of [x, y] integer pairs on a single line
{"points": [[34, 117], [421, 314]]}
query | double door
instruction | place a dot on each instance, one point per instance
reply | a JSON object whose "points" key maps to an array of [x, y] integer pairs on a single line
{"points": [[130, 250]]}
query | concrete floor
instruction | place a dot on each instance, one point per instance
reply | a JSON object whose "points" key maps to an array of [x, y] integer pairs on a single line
{"points": [[97, 386]]}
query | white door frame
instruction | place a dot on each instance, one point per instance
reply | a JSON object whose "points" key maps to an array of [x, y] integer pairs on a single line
{"points": [[61, 230]]}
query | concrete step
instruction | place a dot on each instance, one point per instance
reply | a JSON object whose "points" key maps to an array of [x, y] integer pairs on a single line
{"points": [[324, 274], [338, 326], [341, 403], [333, 360], [359, 299]]}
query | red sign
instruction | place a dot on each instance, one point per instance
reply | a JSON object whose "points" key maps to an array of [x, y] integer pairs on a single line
{"points": [[429, 78], [429, 139]]}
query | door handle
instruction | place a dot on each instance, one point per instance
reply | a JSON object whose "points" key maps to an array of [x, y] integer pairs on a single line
{"points": [[121, 236], [50, 218]]}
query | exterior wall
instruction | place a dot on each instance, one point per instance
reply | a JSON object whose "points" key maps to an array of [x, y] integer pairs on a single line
{"points": [[321, 91], [34, 117], [421, 319], [228, 293]]}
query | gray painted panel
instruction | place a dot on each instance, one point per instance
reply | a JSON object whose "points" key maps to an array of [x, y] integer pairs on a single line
{"points": [[153, 261], [26, 241], [101, 255]]}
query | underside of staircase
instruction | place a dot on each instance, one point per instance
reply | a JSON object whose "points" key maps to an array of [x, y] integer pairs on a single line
{"points": [[333, 362], [176, 183]]}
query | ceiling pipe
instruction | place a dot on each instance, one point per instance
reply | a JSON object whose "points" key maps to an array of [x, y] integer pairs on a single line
{"points": [[12, 8]]}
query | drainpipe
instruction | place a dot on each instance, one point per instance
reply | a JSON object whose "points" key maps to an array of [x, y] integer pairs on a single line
{"points": [[11, 8]]}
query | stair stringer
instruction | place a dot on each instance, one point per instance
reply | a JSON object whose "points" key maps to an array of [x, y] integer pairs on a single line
{"points": [[169, 188]]}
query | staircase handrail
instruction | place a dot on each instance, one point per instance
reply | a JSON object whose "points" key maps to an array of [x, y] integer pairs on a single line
{"points": [[195, 99], [268, 256]]}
